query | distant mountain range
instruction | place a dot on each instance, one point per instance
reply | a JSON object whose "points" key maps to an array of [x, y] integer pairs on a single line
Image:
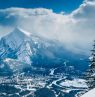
{"points": [[20, 49]]}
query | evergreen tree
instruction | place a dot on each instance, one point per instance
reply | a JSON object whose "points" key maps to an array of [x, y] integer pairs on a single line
{"points": [[90, 75]]}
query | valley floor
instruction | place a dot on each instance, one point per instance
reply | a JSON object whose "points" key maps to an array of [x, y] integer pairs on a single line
{"points": [[60, 85]]}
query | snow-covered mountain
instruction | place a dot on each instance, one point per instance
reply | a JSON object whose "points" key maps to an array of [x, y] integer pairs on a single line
{"points": [[15, 45], [20, 47]]}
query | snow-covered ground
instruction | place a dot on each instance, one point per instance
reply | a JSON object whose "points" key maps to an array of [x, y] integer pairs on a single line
{"points": [[74, 83], [91, 93]]}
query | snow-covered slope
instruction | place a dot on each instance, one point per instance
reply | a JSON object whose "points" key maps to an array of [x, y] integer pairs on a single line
{"points": [[15, 65], [90, 93]]}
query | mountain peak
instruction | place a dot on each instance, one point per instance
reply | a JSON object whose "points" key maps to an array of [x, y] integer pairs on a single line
{"points": [[16, 38], [21, 31]]}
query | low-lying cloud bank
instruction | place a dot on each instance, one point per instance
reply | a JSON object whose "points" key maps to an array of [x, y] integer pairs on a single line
{"points": [[76, 30]]}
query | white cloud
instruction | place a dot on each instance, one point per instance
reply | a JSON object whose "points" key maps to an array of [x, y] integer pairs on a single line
{"points": [[5, 30], [75, 30], [85, 11]]}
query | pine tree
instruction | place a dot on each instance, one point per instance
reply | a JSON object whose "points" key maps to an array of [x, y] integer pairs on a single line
{"points": [[90, 75]]}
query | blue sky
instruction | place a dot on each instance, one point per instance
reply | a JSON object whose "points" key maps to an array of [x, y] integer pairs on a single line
{"points": [[57, 5]]}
